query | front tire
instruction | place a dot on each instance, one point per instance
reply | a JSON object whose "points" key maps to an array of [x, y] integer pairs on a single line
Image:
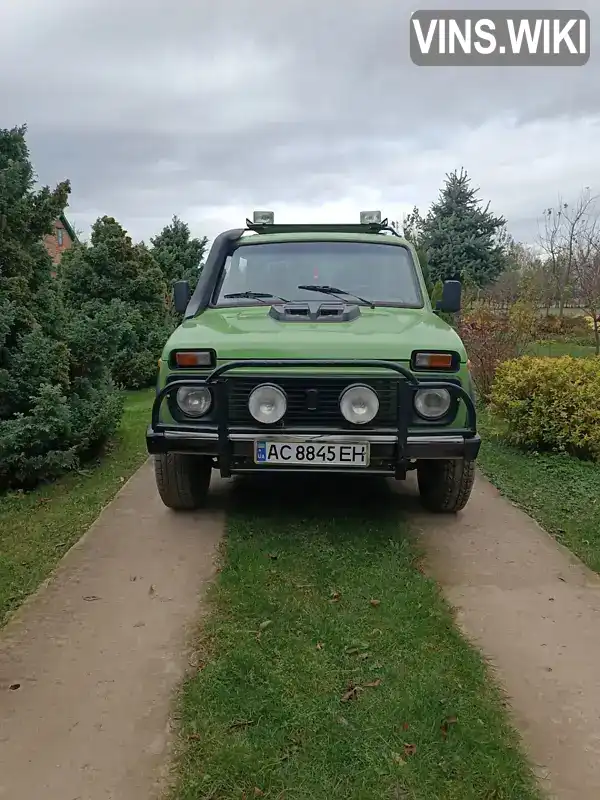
{"points": [[445, 486], [182, 480]]}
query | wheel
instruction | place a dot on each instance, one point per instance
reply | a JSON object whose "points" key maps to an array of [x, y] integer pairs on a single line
{"points": [[182, 480], [445, 486]]}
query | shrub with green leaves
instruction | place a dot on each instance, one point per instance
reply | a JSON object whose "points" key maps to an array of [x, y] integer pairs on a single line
{"points": [[550, 403], [121, 289], [57, 400]]}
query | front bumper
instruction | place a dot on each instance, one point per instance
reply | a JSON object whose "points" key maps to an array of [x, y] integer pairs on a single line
{"points": [[391, 450]]}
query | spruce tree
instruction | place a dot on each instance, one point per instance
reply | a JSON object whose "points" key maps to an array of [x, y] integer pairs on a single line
{"points": [[57, 402], [462, 238]]}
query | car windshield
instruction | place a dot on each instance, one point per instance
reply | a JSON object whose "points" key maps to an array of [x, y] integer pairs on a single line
{"points": [[383, 274]]}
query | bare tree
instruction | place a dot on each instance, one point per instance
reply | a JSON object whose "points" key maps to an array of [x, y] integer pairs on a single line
{"points": [[586, 269], [563, 227]]}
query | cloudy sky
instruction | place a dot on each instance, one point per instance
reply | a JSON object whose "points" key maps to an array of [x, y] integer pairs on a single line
{"points": [[311, 108]]}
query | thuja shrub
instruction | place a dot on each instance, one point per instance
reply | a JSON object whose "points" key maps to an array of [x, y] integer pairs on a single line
{"points": [[550, 403], [119, 286]]}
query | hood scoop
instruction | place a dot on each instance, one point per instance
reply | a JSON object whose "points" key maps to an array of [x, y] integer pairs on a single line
{"points": [[314, 311]]}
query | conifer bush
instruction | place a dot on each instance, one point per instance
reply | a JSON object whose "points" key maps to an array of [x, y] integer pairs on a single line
{"points": [[57, 400], [121, 289]]}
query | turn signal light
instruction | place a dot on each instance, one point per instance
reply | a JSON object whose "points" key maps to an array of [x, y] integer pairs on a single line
{"points": [[434, 361], [194, 358]]}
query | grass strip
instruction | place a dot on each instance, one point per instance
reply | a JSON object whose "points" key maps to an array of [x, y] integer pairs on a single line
{"points": [[38, 527], [559, 491], [330, 667]]}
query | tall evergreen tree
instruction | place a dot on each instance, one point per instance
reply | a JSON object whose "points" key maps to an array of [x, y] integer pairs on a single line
{"points": [[57, 401], [463, 239], [120, 286], [179, 256]]}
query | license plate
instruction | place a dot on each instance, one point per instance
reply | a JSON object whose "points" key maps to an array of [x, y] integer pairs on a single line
{"points": [[312, 454]]}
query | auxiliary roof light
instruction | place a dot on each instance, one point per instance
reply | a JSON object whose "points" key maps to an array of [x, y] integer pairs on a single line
{"points": [[368, 217], [263, 218]]}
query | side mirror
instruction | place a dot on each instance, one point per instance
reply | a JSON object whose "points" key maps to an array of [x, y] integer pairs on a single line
{"points": [[451, 297], [181, 296]]}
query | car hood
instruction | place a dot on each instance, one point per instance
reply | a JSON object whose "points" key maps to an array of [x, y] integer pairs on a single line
{"points": [[383, 333]]}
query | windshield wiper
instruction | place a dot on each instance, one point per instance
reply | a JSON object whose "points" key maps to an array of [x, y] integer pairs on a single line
{"points": [[333, 291], [262, 296]]}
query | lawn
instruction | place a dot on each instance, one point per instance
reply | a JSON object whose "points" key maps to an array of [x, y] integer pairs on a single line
{"points": [[561, 492], [557, 348], [330, 667], [37, 528]]}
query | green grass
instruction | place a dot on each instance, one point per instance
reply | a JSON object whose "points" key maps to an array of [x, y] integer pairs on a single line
{"points": [[561, 492], [38, 527], [557, 348], [271, 709]]}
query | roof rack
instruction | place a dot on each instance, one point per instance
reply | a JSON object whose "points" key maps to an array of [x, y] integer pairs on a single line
{"points": [[330, 227]]}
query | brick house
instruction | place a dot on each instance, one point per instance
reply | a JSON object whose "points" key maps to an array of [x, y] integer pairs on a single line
{"points": [[60, 240]]}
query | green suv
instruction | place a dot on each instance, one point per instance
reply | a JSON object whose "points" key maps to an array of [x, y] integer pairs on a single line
{"points": [[313, 348]]}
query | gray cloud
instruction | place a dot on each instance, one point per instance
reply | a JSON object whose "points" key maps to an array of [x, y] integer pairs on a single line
{"points": [[208, 110]]}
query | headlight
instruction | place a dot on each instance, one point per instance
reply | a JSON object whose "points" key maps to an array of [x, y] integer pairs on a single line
{"points": [[267, 403], [359, 404], [432, 403], [195, 401]]}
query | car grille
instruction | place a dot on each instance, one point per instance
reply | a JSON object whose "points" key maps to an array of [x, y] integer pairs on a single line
{"points": [[327, 410]]}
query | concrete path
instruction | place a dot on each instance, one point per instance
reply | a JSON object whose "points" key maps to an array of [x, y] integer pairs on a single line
{"points": [[98, 652], [534, 609]]}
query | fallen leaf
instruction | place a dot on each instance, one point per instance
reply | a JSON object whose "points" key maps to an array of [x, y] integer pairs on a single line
{"points": [[264, 625], [410, 749], [351, 694], [375, 603], [196, 661], [373, 684], [446, 725], [258, 792], [194, 737], [320, 645], [91, 597]]}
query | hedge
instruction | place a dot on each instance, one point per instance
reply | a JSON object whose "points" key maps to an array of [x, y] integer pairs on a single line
{"points": [[550, 403]]}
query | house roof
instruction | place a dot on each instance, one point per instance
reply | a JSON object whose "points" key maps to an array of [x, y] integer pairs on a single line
{"points": [[69, 229]]}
